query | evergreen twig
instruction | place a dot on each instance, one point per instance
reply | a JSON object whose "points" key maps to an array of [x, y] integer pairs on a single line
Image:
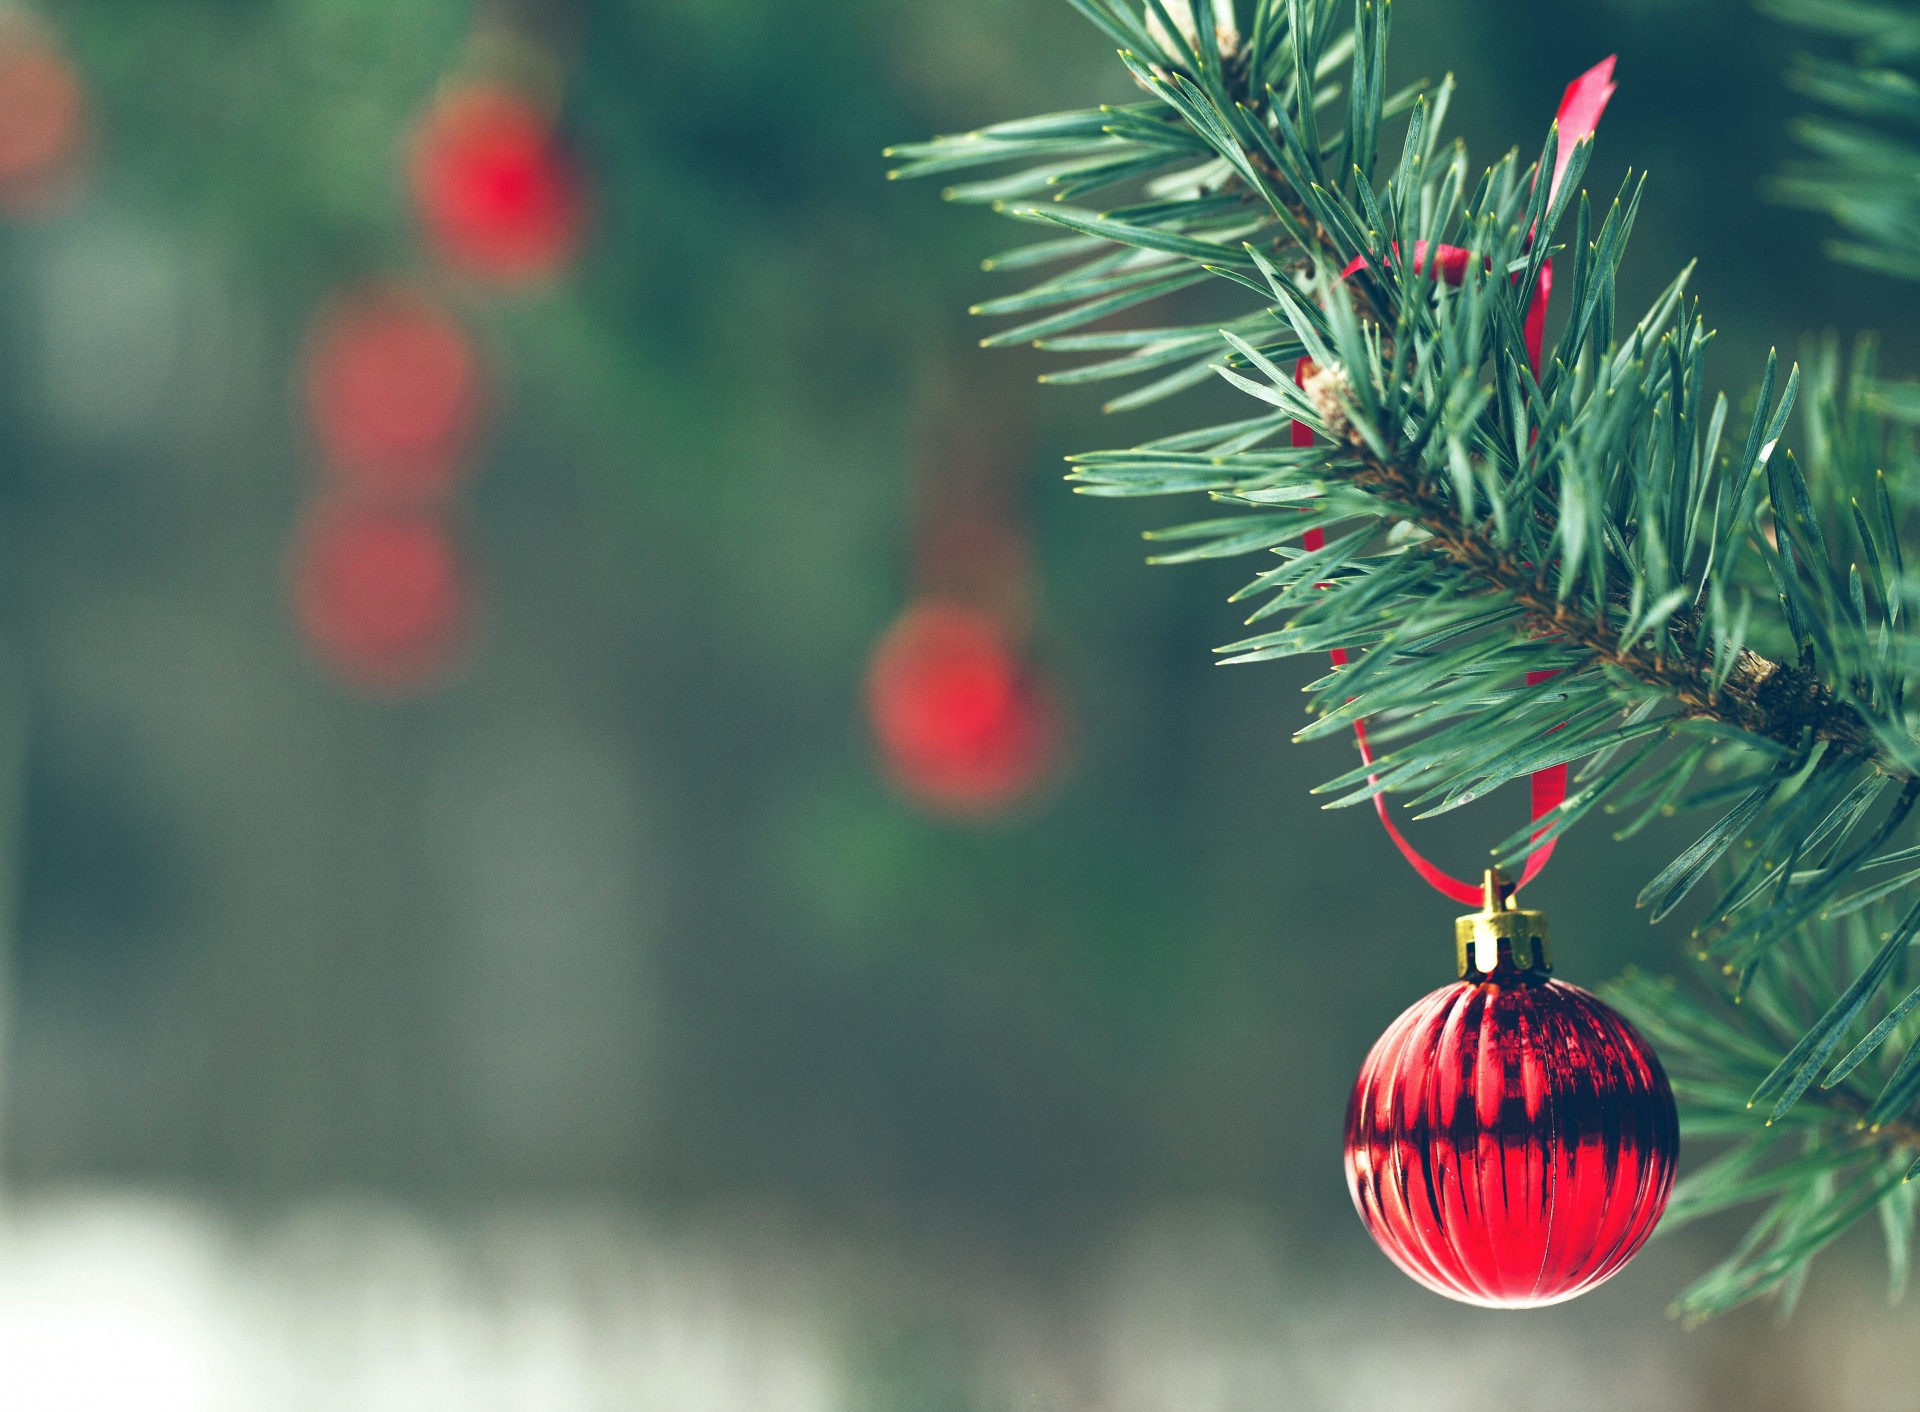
{"points": [[1726, 619]]}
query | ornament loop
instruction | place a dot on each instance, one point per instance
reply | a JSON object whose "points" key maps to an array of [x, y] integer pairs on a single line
{"points": [[1502, 942], [1579, 115]]}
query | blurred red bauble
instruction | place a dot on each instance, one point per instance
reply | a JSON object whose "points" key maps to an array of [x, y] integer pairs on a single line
{"points": [[962, 725], [394, 393], [381, 595], [497, 195], [1511, 1140], [43, 123]]}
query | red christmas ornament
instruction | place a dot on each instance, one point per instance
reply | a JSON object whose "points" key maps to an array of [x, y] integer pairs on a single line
{"points": [[380, 595], [43, 123], [1511, 1140], [394, 392], [962, 724], [498, 197]]}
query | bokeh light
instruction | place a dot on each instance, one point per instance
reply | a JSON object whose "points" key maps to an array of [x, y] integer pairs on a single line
{"points": [[393, 390], [43, 122], [497, 197], [963, 726], [380, 594]]}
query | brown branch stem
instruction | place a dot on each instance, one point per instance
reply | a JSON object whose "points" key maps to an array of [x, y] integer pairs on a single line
{"points": [[1762, 697], [1781, 703]]}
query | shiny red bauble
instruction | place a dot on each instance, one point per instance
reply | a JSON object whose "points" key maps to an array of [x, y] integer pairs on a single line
{"points": [[1511, 1140], [380, 594], [43, 123], [394, 392], [496, 194], [963, 725]]}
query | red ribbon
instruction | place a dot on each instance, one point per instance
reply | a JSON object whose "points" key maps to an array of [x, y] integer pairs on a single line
{"points": [[1579, 115], [1580, 109]]}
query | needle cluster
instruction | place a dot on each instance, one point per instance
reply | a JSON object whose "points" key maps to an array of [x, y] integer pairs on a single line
{"points": [[1722, 598]]}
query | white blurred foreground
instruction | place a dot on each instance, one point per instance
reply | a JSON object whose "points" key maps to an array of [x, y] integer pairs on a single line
{"points": [[119, 1304]]}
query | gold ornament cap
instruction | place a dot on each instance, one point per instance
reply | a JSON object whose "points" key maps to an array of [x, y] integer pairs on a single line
{"points": [[1501, 941]]}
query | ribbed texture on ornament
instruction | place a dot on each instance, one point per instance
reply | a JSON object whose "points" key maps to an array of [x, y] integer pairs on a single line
{"points": [[1511, 1145]]}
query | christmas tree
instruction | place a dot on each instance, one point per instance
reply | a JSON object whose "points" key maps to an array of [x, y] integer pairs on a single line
{"points": [[1534, 543]]}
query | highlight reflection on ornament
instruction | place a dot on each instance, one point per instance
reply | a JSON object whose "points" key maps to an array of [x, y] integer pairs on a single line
{"points": [[393, 390], [43, 122], [1511, 1140], [496, 194], [962, 724], [380, 595]]}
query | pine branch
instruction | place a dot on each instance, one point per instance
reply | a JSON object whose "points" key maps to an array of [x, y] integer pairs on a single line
{"points": [[1863, 141], [1722, 631], [1759, 697], [1820, 1167]]}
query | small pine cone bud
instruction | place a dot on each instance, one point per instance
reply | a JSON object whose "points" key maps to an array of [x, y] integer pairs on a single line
{"points": [[1329, 390], [1226, 33]]}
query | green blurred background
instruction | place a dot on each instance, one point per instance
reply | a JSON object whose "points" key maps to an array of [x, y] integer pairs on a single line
{"points": [[624, 914]]}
